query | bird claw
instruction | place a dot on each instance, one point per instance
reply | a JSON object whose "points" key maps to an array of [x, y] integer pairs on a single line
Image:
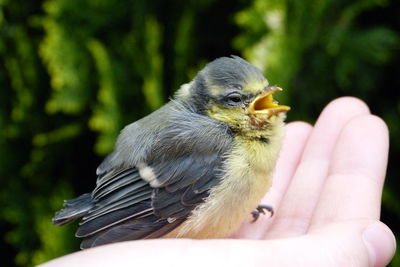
{"points": [[261, 209]]}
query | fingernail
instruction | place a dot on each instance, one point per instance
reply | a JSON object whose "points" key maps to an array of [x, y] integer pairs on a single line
{"points": [[380, 243]]}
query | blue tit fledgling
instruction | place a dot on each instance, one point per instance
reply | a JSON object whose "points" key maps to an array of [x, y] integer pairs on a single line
{"points": [[195, 168]]}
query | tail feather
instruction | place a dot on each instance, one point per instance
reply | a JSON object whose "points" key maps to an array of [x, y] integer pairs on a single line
{"points": [[74, 209]]}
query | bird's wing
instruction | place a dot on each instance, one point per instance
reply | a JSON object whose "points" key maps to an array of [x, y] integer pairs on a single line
{"points": [[157, 195]]}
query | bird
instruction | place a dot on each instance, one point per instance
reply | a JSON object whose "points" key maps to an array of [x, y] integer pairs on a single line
{"points": [[195, 168]]}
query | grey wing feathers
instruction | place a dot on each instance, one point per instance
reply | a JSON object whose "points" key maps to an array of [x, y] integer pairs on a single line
{"points": [[186, 159], [144, 211], [116, 202], [132, 230], [73, 209]]}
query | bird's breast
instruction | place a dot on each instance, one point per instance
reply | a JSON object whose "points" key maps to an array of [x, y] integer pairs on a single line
{"points": [[247, 176]]}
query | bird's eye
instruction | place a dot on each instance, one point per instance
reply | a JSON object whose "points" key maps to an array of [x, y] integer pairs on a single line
{"points": [[235, 98]]}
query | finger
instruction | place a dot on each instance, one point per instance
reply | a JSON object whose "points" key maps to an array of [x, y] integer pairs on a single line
{"points": [[357, 172], [350, 244], [297, 208], [329, 125], [295, 137]]}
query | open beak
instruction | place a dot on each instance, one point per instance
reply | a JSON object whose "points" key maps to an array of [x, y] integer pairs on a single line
{"points": [[265, 104]]}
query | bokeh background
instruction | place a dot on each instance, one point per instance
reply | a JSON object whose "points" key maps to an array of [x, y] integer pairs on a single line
{"points": [[74, 72]]}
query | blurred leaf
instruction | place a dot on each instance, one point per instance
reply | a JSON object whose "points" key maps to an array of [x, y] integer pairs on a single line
{"points": [[106, 116], [152, 87]]}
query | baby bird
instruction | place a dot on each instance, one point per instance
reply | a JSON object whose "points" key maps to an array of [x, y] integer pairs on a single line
{"points": [[195, 168]]}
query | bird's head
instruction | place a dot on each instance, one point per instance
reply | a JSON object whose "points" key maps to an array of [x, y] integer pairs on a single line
{"points": [[231, 90]]}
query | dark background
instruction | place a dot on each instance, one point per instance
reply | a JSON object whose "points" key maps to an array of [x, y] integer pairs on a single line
{"points": [[74, 72]]}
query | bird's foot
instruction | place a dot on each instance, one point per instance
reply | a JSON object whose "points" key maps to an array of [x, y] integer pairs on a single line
{"points": [[261, 209]]}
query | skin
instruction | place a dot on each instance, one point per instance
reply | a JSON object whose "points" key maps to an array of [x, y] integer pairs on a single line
{"points": [[332, 219]]}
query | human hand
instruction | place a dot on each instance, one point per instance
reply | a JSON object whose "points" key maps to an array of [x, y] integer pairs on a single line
{"points": [[326, 194]]}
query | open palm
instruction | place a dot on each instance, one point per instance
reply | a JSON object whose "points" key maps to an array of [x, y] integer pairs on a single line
{"points": [[330, 173], [326, 195]]}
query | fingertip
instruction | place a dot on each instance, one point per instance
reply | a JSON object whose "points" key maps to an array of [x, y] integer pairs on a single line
{"points": [[367, 134], [380, 243], [296, 133], [373, 122], [347, 102], [342, 110]]}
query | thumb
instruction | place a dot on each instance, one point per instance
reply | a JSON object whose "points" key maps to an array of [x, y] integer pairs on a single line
{"points": [[355, 243], [358, 243]]}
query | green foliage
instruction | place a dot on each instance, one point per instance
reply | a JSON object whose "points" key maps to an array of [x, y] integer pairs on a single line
{"points": [[316, 46], [73, 73]]}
